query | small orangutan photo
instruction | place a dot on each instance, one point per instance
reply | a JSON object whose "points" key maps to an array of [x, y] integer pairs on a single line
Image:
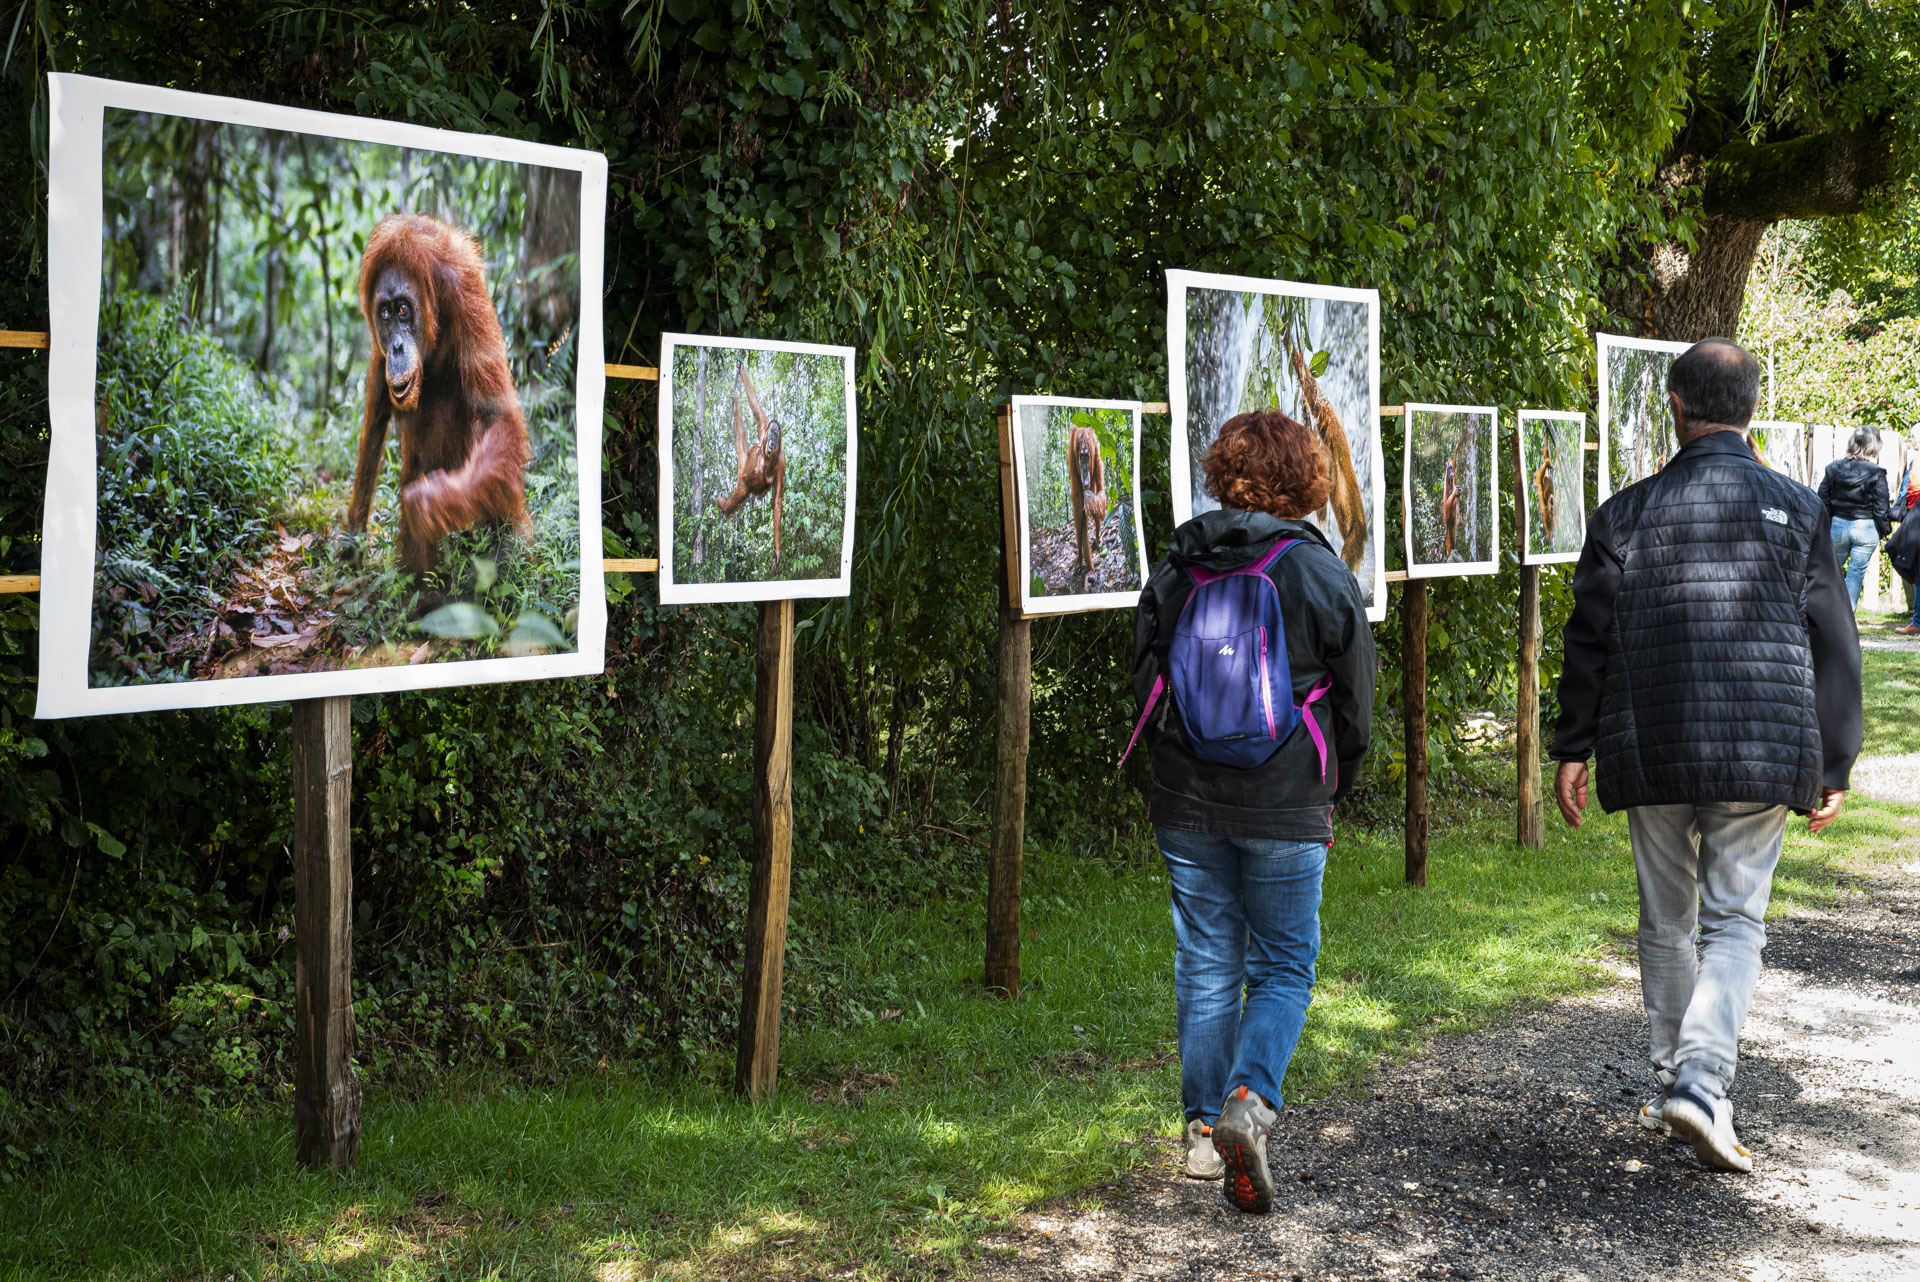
{"points": [[757, 446], [347, 400], [1448, 488], [1553, 458], [1076, 472]]}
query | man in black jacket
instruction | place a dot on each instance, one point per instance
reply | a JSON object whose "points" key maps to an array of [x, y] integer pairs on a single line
{"points": [[1713, 669]]}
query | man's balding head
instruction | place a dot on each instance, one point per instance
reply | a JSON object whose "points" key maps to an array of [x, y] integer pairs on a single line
{"points": [[1715, 385]]}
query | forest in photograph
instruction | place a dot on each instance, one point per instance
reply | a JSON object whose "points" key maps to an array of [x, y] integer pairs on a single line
{"points": [[1309, 357], [232, 385], [1450, 486], [759, 464], [1782, 447], [1553, 455], [1639, 424], [1111, 559]]}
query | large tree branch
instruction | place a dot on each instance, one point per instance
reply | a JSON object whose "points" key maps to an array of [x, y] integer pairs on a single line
{"points": [[1818, 176]]}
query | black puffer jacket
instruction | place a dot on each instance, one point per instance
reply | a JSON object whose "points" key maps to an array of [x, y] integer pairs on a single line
{"points": [[1283, 798], [1855, 489], [1711, 654]]}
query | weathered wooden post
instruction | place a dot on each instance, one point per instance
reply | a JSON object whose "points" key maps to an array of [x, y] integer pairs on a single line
{"points": [[1531, 828], [326, 1097], [1013, 706], [1413, 712], [757, 1066]]}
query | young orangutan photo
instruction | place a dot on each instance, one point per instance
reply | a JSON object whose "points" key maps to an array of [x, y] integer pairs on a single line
{"points": [[1551, 454], [1543, 490], [438, 374], [763, 465], [1089, 483], [1447, 490], [1078, 495], [1450, 506]]}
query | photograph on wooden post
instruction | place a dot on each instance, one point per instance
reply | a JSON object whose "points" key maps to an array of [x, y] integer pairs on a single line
{"points": [[1077, 469], [1239, 343], [1784, 447], [758, 450], [1636, 422], [326, 396], [1553, 485], [1449, 482]]}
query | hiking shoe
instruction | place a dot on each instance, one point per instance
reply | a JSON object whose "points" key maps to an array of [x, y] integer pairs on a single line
{"points": [[1652, 1114], [1708, 1126], [1241, 1138], [1203, 1161]]}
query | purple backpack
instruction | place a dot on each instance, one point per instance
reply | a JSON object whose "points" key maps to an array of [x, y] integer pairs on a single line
{"points": [[1229, 669]]}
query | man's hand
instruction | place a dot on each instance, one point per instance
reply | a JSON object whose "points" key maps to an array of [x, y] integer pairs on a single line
{"points": [[1570, 790], [1830, 802]]}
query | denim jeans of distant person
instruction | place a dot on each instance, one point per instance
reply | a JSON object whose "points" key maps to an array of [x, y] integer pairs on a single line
{"points": [[1246, 917], [1853, 546], [1705, 874]]}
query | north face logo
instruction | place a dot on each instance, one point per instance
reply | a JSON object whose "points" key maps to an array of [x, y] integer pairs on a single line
{"points": [[1774, 514], [1227, 649]]}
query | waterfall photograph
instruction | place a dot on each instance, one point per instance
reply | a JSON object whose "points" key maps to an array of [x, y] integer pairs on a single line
{"points": [[757, 469], [1553, 490], [1236, 344], [1448, 485], [1077, 476], [1636, 425]]}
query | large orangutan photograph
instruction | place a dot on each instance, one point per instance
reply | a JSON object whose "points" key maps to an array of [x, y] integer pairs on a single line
{"points": [[757, 469], [1077, 479], [1236, 344], [336, 408]]}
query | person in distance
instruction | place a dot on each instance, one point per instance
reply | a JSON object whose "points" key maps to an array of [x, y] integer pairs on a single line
{"points": [[1859, 510], [1255, 668], [1712, 668]]}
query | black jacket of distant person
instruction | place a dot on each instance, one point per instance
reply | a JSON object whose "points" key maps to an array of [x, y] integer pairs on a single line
{"points": [[1855, 489], [1284, 798], [1711, 654]]}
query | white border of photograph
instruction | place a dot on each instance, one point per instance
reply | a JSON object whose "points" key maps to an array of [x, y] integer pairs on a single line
{"points": [[1071, 603], [1448, 569], [1526, 488], [76, 110], [1602, 342], [676, 593], [1179, 280]]}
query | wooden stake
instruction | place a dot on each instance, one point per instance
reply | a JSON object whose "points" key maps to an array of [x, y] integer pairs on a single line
{"points": [[757, 1065], [326, 1097], [1530, 815], [1413, 712], [1526, 735], [1013, 706]]}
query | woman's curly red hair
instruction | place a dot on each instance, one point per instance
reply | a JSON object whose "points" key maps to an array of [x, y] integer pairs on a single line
{"points": [[1266, 462]]}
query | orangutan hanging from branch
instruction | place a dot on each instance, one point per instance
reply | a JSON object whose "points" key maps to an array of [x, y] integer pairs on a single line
{"points": [[763, 465], [1349, 507]]}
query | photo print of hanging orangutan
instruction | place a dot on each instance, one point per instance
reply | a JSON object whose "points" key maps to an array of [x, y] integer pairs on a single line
{"points": [[1449, 485], [1237, 343], [1076, 471], [757, 458], [1553, 456]]}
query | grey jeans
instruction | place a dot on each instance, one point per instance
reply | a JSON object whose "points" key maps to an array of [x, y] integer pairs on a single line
{"points": [[1711, 866]]}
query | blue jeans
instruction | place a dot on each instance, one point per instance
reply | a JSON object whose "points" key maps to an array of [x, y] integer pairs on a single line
{"points": [[1246, 914], [1854, 543]]}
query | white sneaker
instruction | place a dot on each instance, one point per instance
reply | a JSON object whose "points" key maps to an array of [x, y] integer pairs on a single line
{"points": [[1652, 1114], [1203, 1162], [1708, 1126]]}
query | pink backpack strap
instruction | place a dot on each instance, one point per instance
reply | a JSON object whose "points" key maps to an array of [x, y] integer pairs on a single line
{"points": [[1313, 727], [1202, 577], [1159, 684]]}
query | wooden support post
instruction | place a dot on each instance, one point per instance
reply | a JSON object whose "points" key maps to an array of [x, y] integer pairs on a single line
{"points": [[1526, 734], [757, 1065], [1013, 706], [1413, 712], [1531, 818], [326, 1097]]}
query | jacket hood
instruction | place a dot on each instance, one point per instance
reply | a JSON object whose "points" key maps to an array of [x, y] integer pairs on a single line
{"points": [[1228, 538]]}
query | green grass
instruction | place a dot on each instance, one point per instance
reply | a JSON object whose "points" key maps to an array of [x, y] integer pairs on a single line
{"points": [[1890, 692], [992, 1107]]}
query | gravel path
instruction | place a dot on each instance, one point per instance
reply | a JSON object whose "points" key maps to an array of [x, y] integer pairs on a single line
{"points": [[1514, 1152]]}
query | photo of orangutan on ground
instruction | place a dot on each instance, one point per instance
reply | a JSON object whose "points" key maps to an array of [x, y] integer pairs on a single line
{"points": [[336, 395], [1076, 474]]}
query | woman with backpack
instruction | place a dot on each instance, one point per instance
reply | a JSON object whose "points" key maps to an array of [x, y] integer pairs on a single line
{"points": [[1255, 669]]}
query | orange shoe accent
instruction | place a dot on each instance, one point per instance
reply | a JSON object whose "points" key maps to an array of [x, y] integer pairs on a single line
{"points": [[1206, 1130], [1243, 1092]]}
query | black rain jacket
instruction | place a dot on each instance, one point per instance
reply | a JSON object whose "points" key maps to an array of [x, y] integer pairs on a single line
{"points": [[1855, 489], [1283, 798], [1711, 654]]}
